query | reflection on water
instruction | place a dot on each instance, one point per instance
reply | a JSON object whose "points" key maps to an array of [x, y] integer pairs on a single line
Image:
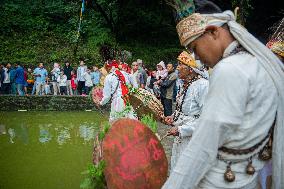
{"points": [[23, 134], [61, 133], [87, 132], [2, 130], [12, 134], [63, 136], [44, 135], [39, 148]]}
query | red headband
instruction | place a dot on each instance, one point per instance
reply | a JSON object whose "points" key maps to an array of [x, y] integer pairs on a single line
{"points": [[113, 63]]}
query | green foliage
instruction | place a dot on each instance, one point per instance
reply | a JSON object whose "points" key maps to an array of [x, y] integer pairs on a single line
{"points": [[104, 130], [244, 11], [127, 110], [95, 178], [34, 31], [150, 122], [152, 55], [94, 175]]}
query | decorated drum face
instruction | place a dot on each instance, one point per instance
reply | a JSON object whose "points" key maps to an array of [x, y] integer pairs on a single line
{"points": [[135, 158], [145, 102], [97, 94]]}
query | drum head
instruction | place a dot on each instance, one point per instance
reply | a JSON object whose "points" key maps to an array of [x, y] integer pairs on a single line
{"points": [[135, 158], [97, 94], [146, 103]]}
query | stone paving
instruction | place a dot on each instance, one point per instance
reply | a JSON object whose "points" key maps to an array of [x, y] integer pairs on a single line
{"points": [[167, 142]]}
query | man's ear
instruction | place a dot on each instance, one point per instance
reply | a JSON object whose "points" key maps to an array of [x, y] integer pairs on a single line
{"points": [[213, 30]]}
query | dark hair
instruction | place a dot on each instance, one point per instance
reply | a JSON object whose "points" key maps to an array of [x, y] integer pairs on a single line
{"points": [[206, 7]]}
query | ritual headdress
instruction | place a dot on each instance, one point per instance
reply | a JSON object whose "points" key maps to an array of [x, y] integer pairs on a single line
{"points": [[192, 23], [112, 64], [188, 59], [276, 42]]}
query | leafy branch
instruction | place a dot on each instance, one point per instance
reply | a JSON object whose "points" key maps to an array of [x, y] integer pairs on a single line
{"points": [[150, 122], [94, 175]]}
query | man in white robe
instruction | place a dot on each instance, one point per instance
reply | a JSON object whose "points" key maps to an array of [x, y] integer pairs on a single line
{"points": [[246, 90], [190, 100], [113, 90]]}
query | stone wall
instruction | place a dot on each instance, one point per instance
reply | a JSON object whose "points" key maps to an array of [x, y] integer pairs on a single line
{"points": [[46, 103]]}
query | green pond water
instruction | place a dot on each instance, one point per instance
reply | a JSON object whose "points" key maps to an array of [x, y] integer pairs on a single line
{"points": [[46, 150]]}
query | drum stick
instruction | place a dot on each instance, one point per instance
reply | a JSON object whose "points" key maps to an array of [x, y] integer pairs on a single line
{"points": [[164, 136]]}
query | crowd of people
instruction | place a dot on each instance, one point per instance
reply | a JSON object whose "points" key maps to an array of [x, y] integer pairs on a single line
{"points": [[22, 80]]}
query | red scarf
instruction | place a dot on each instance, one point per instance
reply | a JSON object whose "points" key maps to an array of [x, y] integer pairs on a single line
{"points": [[123, 86]]}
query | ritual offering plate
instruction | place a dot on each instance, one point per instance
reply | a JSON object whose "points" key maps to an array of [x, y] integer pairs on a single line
{"points": [[145, 102], [97, 94], [134, 157]]}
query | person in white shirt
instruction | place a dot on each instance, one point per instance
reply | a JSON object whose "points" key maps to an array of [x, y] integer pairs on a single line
{"points": [[6, 85], [243, 109], [62, 82], [132, 81], [115, 89], [136, 75], [190, 101], [55, 72], [80, 77], [88, 81]]}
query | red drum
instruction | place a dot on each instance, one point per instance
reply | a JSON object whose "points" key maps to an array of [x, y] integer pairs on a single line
{"points": [[97, 94], [135, 158]]}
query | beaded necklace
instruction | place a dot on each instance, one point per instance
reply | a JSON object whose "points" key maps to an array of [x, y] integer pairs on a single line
{"points": [[236, 50], [179, 105]]}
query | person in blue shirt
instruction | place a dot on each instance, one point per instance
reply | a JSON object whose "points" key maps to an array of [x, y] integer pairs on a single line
{"points": [[19, 79], [96, 76], [13, 80], [41, 75]]}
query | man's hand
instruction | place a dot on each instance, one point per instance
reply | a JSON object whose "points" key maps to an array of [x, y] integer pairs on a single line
{"points": [[173, 131], [169, 120]]}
